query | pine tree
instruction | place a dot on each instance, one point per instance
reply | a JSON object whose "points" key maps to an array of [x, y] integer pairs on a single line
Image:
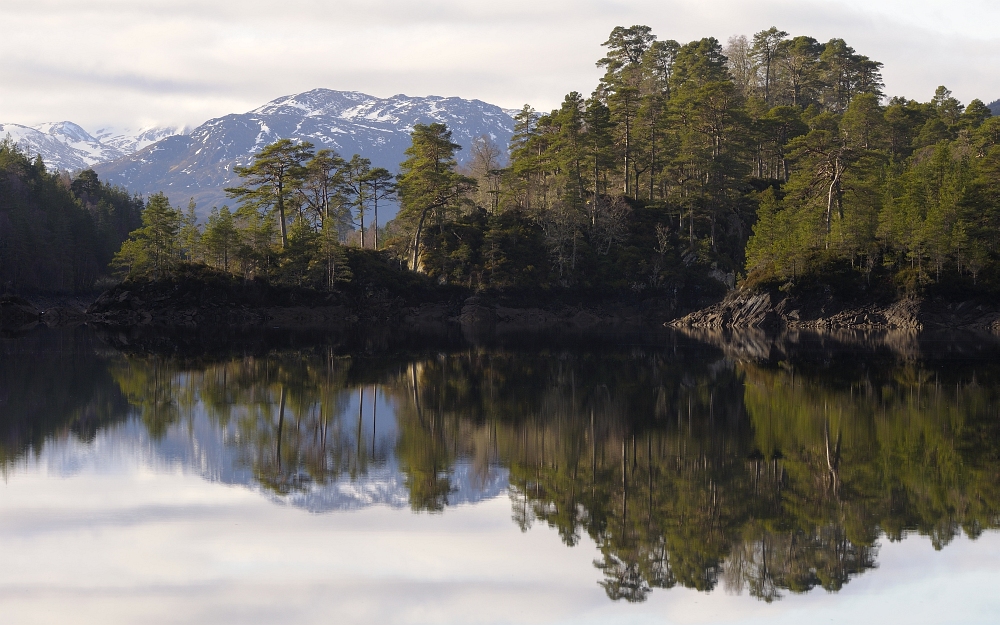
{"points": [[355, 176], [271, 181], [155, 247], [220, 238], [380, 185], [428, 183]]}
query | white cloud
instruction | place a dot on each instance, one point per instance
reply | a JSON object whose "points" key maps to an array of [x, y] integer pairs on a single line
{"points": [[137, 62], [127, 544]]}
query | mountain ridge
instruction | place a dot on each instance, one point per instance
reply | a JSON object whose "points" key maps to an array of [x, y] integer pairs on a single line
{"points": [[67, 146], [201, 163]]}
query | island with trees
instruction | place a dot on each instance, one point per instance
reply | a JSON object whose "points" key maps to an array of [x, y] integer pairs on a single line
{"points": [[769, 179]]}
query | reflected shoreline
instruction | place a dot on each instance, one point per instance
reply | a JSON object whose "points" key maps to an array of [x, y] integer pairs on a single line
{"points": [[770, 464]]}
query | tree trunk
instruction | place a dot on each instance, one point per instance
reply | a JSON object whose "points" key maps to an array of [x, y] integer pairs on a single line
{"points": [[281, 213], [652, 161], [361, 213], [627, 141], [691, 225], [833, 195], [416, 239], [281, 423]]}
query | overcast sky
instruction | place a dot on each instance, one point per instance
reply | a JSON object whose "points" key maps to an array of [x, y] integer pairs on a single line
{"points": [[141, 62]]}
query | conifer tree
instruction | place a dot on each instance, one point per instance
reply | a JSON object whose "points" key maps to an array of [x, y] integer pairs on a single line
{"points": [[380, 185], [355, 176], [323, 188], [154, 248], [190, 234], [220, 238], [428, 183], [271, 181], [767, 46], [621, 87]]}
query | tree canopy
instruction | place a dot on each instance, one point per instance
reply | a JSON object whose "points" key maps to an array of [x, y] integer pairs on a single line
{"points": [[772, 158], [58, 233]]}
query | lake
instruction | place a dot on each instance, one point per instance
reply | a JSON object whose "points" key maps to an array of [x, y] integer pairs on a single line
{"points": [[663, 478]]}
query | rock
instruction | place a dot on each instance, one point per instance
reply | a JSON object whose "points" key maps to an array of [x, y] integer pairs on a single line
{"points": [[63, 316], [821, 310], [17, 312], [476, 314]]}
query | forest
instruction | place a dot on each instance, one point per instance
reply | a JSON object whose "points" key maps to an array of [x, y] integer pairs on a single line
{"points": [[58, 233], [771, 159]]}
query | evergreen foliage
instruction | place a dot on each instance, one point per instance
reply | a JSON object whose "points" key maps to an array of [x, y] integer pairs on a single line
{"points": [[57, 234], [294, 217], [774, 156]]}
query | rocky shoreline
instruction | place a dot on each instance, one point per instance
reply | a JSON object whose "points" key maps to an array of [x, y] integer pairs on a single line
{"points": [[254, 305], [822, 310], [169, 305]]}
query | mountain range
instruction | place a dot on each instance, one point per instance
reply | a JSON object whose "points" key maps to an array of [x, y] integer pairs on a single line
{"points": [[67, 146], [199, 163]]}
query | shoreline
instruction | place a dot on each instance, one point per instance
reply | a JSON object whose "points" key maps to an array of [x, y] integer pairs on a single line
{"points": [[165, 304], [776, 311]]}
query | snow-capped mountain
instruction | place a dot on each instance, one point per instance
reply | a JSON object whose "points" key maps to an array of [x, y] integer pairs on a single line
{"points": [[200, 164], [62, 145], [67, 146], [129, 140]]}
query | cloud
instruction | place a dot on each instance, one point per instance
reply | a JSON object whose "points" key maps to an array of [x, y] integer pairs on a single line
{"points": [[129, 63]]}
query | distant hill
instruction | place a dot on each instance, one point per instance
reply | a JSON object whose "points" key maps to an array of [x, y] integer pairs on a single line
{"points": [[200, 164], [67, 146], [994, 107]]}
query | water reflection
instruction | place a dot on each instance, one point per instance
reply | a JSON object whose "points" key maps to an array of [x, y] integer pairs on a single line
{"points": [[686, 465]]}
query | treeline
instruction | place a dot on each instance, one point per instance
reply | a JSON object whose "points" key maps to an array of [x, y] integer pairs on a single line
{"points": [[771, 157], [57, 233], [652, 182], [906, 192], [296, 210], [776, 156]]}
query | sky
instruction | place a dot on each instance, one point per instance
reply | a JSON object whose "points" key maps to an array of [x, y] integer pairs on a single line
{"points": [[133, 63]]}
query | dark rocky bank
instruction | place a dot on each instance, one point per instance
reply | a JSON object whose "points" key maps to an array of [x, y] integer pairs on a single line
{"points": [[170, 303], [820, 308], [203, 298]]}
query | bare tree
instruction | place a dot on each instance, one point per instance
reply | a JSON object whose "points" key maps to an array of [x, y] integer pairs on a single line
{"points": [[486, 165], [742, 64]]}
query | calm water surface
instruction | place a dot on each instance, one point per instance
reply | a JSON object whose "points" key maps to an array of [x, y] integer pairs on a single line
{"points": [[667, 480]]}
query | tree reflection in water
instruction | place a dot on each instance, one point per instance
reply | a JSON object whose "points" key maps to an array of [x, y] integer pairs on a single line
{"points": [[683, 466]]}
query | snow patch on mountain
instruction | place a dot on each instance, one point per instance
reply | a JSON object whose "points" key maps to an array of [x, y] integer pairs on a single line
{"points": [[67, 146], [62, 145], [200, 164], [129, 140]]}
